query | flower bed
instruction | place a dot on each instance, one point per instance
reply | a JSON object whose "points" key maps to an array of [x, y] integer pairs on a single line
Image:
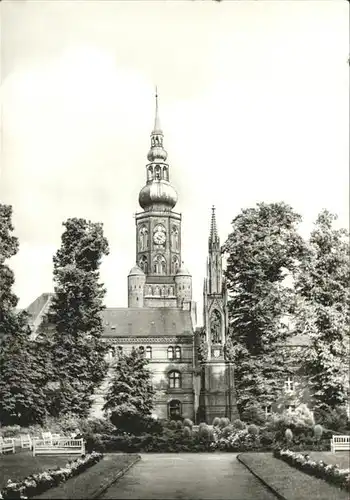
{"points": [[330, 473], [38, 483]]}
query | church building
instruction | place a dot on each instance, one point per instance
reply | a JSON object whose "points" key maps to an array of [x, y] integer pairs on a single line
{"points": [[161, 317]]}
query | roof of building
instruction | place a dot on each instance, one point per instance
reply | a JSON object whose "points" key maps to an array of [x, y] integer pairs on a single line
{"points": [[141, 322]]}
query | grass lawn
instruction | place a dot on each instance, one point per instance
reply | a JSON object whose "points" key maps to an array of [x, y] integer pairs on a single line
{"points": [[289, 482], [91, 483], [22, 464], [341, 458]]}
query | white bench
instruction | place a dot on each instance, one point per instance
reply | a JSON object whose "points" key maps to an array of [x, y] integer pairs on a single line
{"points": [[26, 441], [7, 444], [61, 446], [340, 443]]}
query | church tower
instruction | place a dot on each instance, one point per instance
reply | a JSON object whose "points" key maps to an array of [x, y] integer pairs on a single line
{"points": [[217, 395], [159, 279]]}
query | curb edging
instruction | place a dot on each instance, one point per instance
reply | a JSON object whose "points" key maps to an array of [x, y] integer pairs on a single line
{"points": [[121, 473], [275, 492]]}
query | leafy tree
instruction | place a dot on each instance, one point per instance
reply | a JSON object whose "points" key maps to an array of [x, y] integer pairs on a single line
{"points": [[130, 395], [78, 351], [263, 250], [323, 313], [22, 397], [8, 248], [23, 378]]}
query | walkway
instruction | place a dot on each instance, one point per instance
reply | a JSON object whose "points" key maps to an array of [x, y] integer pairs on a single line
{"points": [[188, 476]]}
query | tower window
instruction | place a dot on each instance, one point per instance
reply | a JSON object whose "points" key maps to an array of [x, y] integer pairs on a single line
{"points": [[170, 352], [177, 352], [174, 378], [148, 352], [289, 384]]}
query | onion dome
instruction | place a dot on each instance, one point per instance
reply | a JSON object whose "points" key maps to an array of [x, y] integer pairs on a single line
{"points": [[136, 271], [183, 271], [158, 194], [157, 153]]}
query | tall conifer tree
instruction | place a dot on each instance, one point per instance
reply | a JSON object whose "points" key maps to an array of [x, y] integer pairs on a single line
{"points": [[78, 351], [263, 249]]}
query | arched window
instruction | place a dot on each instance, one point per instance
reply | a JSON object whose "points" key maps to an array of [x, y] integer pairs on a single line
{"points": [[142, 349], [174, 378], [143, 236], [170, 352], [148, 352], [215, 327], [159, 264], [175, 264], [177, 352], [143, 264], [174, 409], [174, 238]]}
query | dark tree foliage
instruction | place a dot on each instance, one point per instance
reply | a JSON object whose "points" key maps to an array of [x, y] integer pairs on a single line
{"points": [[263, 249], [130, 396], [78, 351], [323, 313], [22, 397]]}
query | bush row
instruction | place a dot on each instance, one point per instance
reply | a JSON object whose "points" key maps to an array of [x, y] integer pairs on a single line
{"points": [[39, 483], [330, 473]]}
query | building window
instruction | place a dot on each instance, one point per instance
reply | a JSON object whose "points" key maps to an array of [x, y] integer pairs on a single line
{"points": [[174, 380], [174, 409], [267, 410], [142, 349], [120, 350], [170, 352], [148, 352], [177, 352], [289, 385]]}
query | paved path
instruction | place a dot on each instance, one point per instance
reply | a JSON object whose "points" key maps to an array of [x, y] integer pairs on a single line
{"points": [[189, 476]]}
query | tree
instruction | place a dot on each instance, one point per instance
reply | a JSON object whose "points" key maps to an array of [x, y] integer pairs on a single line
{"points": [[23, 378], [263, 251], [323, 313], [8, 248], [22, 398], [78, 351], [130, 394]]}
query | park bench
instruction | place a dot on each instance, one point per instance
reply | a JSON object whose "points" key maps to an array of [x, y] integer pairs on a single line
{"points": [[7, 444], [340, 443], [26, 441], [61, 446]]}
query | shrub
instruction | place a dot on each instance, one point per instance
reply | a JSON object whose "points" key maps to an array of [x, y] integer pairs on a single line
{"points": [[224, 422], [172, 424], [216, 421], [238, 424], [188, 423], [203, 431], [335, 419], [318, 431], [227, 431], [253, 414], [10, 430], [179, 424], [187, 432], [253, 429], [288, 435]]}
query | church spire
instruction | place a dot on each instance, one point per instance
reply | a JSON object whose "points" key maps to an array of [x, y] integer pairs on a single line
{"points": [[157, 152], [157, 129]]}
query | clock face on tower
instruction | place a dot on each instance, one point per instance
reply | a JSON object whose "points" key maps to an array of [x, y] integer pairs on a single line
{"points": [[159, 237]]}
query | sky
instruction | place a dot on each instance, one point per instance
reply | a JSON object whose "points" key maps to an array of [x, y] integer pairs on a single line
{"points": [[254, 106]]}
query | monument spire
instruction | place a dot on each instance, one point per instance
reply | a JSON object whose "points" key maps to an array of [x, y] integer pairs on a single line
{"points": [[213, 235]]}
